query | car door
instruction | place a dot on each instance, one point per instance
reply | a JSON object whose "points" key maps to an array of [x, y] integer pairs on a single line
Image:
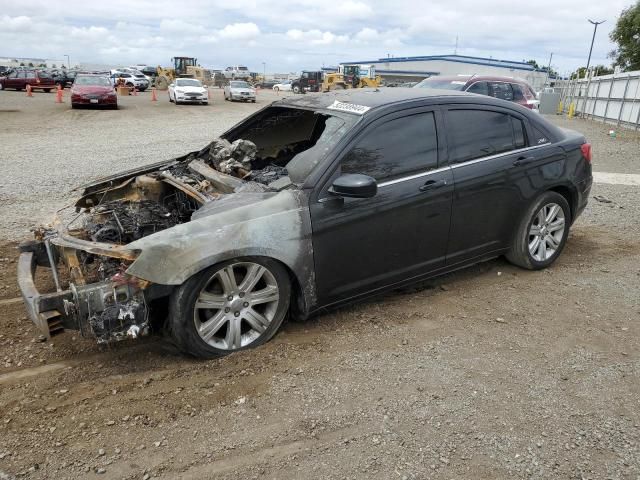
{"points": [[363, 244], [496, 172], [12, 80]]}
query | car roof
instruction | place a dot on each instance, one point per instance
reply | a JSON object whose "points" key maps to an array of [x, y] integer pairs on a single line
{"points": [[476, 78], [369, 97]]}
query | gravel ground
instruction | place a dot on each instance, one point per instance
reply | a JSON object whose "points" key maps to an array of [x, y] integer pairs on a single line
{"points": [[489, 373]]}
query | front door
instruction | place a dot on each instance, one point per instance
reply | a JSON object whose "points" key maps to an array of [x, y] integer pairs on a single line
{"points": [[361, 245]]}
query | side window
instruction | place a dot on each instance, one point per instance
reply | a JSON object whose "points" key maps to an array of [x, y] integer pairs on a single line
{"points": [[23, 74], [481, 88], [518, 93], [31, 75], [480, 133], [396, 148], [13, 74], [539, 137], [502, 91]]}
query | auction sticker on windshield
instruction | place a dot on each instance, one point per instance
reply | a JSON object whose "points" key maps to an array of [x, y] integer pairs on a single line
{"points": [[348, 107]]}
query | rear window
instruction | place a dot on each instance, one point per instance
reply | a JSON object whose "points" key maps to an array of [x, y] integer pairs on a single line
{"points": [[44, 75], [435, 82], [501, 90]]}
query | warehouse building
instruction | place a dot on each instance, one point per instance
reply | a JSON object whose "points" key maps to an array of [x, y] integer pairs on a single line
{"points": [[412, 69]]}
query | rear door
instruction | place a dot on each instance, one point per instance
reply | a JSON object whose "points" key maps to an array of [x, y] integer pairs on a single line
{"points": [[12, 80], [363, 244], [497, 173]]}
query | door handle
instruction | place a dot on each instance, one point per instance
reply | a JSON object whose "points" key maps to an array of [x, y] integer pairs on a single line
{"points": [[432, 185], [524, 161]]}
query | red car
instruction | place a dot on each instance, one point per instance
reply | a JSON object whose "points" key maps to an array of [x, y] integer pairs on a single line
{"points": [[93, 90], [505, 88], [19, 79]]}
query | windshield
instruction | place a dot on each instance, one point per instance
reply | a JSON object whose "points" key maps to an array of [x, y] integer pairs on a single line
{"points": [[188, 82], [435, 82], [239, 85], [95, 81]]}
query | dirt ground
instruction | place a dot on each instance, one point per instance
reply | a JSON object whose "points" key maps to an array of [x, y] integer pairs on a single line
{"points": [[489, 373]]}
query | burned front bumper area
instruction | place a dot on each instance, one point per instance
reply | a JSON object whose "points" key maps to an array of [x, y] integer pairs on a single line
{"points": [[101, 302]]}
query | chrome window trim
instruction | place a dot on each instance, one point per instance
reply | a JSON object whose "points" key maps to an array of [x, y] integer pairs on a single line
{"points": [[413, 177], [497, 155], [458, 165]]}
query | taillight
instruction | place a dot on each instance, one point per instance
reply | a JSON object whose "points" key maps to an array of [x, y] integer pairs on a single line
{"points": [[586, 151]]}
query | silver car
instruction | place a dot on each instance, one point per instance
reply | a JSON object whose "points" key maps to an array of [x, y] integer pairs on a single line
{"points": [[240, 90]]}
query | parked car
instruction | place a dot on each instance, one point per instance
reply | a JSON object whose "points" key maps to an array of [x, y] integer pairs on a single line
{"points": [[309, 81], [19, 79], [93, 90], [505, 88], [284, 213], [266, 84], [239, 90], [188, 90], [237, 72], [284, 86], [130, 80], [64, 77]]}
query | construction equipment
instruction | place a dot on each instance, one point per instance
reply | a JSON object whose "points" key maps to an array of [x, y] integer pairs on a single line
{"points": [[351, 76], [182, 67]]}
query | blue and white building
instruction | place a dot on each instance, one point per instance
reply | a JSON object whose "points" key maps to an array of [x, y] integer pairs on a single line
{"points": [[408, 69]]}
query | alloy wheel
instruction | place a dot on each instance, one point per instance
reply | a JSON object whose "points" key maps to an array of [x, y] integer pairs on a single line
{"points": [[546, 232], [236, 305]]}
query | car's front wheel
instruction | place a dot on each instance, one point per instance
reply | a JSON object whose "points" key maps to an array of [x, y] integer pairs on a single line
{"points": [[542, 233], [231, 306]]}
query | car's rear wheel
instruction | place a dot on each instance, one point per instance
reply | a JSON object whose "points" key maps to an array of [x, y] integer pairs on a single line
{"points": [[231, 306], [47, 90], [542, 233]]}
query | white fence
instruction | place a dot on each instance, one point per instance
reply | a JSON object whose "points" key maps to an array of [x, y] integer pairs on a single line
{"points": [[613, 99]]}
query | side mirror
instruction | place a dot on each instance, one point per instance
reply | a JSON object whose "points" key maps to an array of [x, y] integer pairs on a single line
{"points": [[354, 185]]}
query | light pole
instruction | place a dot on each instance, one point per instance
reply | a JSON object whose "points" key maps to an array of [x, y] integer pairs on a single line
{"points": [[595, 28], [264, 72], [68, 63]]}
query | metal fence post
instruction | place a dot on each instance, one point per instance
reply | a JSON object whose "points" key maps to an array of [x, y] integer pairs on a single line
{"points": [[624, 96], [595, 98]]}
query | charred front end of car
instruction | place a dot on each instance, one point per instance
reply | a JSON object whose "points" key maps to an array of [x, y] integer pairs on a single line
{"points": [[131, 238], [85, 291]]}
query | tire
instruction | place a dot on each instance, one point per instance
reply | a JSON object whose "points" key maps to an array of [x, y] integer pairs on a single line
{"points": [[264, 318], [253, 101], [276, 89], [47, 90], [73, 105], [537, 251], [296, 89], [170, 101], [1, 86], [114, 107]]}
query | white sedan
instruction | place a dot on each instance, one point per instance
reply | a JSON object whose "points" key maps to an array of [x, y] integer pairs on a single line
{"points": [[240, 90], [282, 87], [188, 90]]}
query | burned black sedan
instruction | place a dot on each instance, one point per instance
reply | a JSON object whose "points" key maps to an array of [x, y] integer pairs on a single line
{"points": [[310, 203]]}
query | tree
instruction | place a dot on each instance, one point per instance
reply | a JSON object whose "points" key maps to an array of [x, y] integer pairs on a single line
{"points": [[626, 35], [30, 64], [533, 63], [597, 70]]}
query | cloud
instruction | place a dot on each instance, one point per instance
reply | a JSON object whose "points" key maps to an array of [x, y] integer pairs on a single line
{"points": [[303, 34], [240, 31]]}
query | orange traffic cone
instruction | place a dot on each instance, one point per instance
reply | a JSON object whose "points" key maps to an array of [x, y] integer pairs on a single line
{"points": [[29, 93], [59, 94], [154, 97]]}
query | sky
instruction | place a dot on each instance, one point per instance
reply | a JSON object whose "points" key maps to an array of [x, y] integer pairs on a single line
{"points": [[292, 35]]}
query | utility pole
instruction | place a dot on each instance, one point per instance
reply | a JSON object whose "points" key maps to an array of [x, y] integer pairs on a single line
{"points": [[455, 52], [595, 28], [68, 63], [548, 69], [264, 71]]}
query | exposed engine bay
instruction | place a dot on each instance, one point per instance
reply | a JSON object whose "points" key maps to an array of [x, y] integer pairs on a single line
{"points": [[100, 299]]}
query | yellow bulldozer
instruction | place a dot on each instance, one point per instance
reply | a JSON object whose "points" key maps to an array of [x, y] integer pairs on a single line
{"points": [[351, 76], [182, 67]]}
